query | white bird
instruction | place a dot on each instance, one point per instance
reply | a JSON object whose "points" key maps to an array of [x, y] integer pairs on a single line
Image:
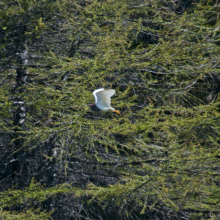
{"points": [[103, 100]]}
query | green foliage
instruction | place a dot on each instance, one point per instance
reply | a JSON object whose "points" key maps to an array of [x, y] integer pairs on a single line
{"points": [[162, 154], [31, 198], [29, 214]]}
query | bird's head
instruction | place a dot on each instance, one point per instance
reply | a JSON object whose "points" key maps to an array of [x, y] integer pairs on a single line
{"points": [[116, 111]]}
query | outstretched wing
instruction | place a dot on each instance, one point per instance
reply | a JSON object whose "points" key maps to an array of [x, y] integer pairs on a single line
{"points": [[103, 97], [107, 94], [95, 94]]}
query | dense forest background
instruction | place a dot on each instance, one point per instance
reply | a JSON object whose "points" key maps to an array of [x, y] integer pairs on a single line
{"points": [[159, 159]]}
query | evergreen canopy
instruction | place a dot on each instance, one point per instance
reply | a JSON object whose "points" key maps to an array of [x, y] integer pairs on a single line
{"points": [[159, 158]]}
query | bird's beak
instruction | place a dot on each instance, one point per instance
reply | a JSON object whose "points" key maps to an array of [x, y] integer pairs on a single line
{"points": [[116, 111]]}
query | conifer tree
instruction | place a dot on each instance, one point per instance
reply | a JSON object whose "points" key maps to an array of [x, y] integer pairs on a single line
{"points": [[159, 159]]}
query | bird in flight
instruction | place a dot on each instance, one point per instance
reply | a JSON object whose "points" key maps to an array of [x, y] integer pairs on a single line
{"points": [[103, 100]]}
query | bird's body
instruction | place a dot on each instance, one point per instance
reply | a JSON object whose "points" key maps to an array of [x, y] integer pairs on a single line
{"points": [[103, 100]]}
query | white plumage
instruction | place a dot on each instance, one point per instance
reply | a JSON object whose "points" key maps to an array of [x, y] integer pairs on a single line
{"points": [[103, 100]]}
